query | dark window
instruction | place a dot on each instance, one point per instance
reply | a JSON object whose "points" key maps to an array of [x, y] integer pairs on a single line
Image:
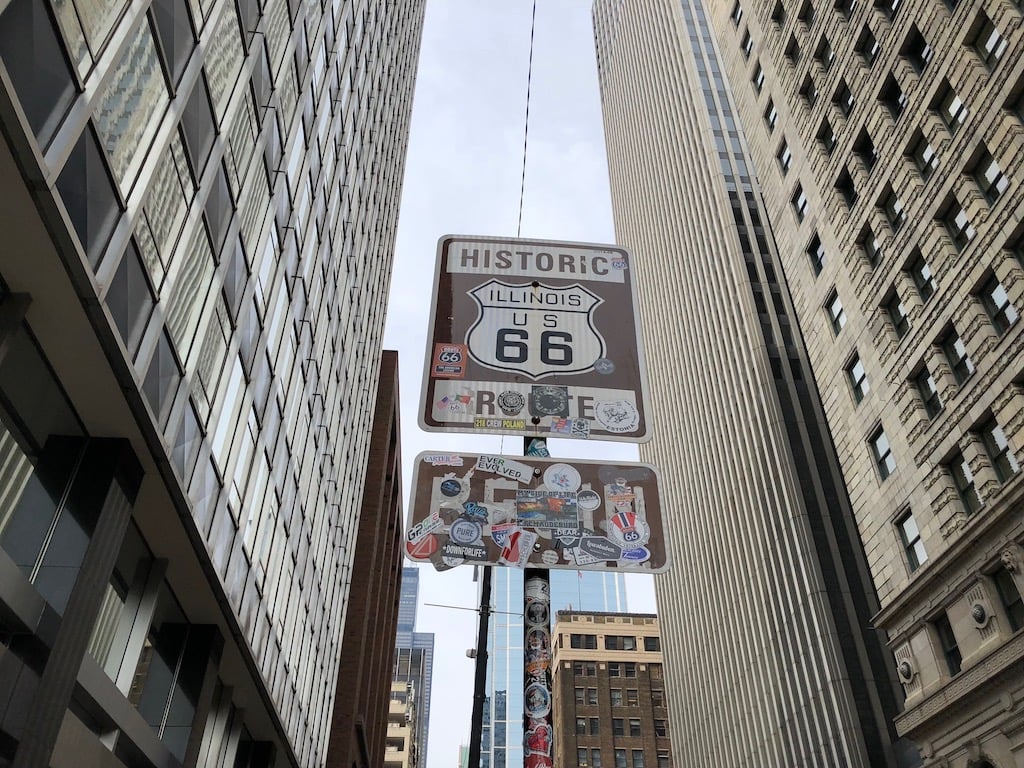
{"points": [[846, 189], [888, 7], [664, 760], [630, 669], [1009, 596], [816, 253], [737, 13], [657, 697], [581, 756], [947, 641], [893, 97], [618, 726], [37, 66], [997, 304], [865, 149], [870, 245], [88, 194], [595, 726], [824, 53], [771, 115], [633, 697], [836, 313], [583, 641], [779, 13], [892, 208], [619, 643], [218, 212], [595, 758], [652, 643], [951, 110], [638, 758], [806, 14], [910, 537], [956, 355], [592, 696], [198, 124], [579, 696], [998, 449], [989, 175], [175, 34], [129, 299], [827, 136], [867, 45], [162, 378], [954, 216], [758, 79], [858, 378], [620, 758], [916, 49], [921, 274], [963, 481], [615, 696], [809, 91], [581, 726], [925, 383], [661, 727], [792, 51], [923, 154], [784, 156], [843, 98], [897, 315], [634, 726], [799, 201], [846, 8], [987, 40], [747, 44], [614, 669], [885, 462]]}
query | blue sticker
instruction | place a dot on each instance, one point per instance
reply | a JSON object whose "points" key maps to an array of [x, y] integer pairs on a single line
{"points": [[451, 487], [638, 555]]}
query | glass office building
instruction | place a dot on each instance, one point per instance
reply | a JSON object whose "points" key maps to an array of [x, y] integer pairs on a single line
{"points": [[414, 656], [199, 206], [502, 738]]}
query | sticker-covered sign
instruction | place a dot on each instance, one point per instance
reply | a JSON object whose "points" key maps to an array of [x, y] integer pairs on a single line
{"points": [[535, 338], [535, 512]]}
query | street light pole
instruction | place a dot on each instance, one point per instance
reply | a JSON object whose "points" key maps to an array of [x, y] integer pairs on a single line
{"points": [[480, 680]]}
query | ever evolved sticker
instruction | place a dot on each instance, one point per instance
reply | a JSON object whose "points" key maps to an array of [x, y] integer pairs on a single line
{"points": [[538, 512]]}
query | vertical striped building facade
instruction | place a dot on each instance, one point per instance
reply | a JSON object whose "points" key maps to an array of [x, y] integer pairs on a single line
{"points": [[199, 209], [884, 145]]}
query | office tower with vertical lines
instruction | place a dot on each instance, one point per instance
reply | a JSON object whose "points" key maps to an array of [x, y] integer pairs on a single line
{"points": [[882, 150], [414, 658], [199, 209]]}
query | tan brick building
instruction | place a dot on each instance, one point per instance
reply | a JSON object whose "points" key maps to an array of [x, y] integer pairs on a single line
{"points": [[610, 703], [838, 186]]}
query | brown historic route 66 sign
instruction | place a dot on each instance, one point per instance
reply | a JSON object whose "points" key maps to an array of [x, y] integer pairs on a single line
{"points": [[535, 338]]}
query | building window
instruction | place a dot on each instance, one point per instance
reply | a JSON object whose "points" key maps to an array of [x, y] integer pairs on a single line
{"points": [[581, 756], [638, 758], [958, 225], [858, 378], [923, 154], [843, 98], [620, 758], [824, 53], [846, 8], [619, 643], [771, 115], [951, 110], [584, 668], [614, 670], [897, 315], [661, 727], [1009, 596], [885, 462], [618, 726], [827, 136], [910, 537], [630, 669], [799, 201], [963, 481], [616, 697], [921, 274], [785, 157], [809, 91], [595, 758], [657, 697], [888, 8], [925, 383], [916, 50], [737, 13], [893, 97], [587, 642], [867, 45], [998, 449], [947, 642], [816, 253], [835, 311], [581, 726], [870, 245], [652, 644], [846, 188], [634, 726], [595, 726], [806, 14], [989, 175], [997, 304], [987, 40], [747, 44], [792, 51], [956, 355], [579, 695], [865, 149], [779, 13], [664, 760], [632, 697], [892, 208], [758, 79]]}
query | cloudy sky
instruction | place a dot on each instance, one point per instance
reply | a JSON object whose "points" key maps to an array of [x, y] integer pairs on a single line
{"points": [[463, 177]]}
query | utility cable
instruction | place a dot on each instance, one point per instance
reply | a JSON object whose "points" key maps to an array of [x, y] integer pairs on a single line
{"points": [[526, 122]]}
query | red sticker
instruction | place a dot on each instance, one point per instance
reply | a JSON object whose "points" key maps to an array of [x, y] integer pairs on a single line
{"points": [[449, 361], [424, 548]]}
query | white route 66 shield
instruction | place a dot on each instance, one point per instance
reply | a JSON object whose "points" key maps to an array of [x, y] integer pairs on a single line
{"points": [[535, 330]]}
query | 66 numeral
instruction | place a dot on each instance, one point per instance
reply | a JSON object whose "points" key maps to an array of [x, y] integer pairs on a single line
{"points": [[511, 346]]}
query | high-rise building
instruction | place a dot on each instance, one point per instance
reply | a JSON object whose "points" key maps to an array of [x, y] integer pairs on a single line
{"points": [[502, 736], [833, 184], [610, 704], [199, 208], [400, 747], [414, 657]]}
